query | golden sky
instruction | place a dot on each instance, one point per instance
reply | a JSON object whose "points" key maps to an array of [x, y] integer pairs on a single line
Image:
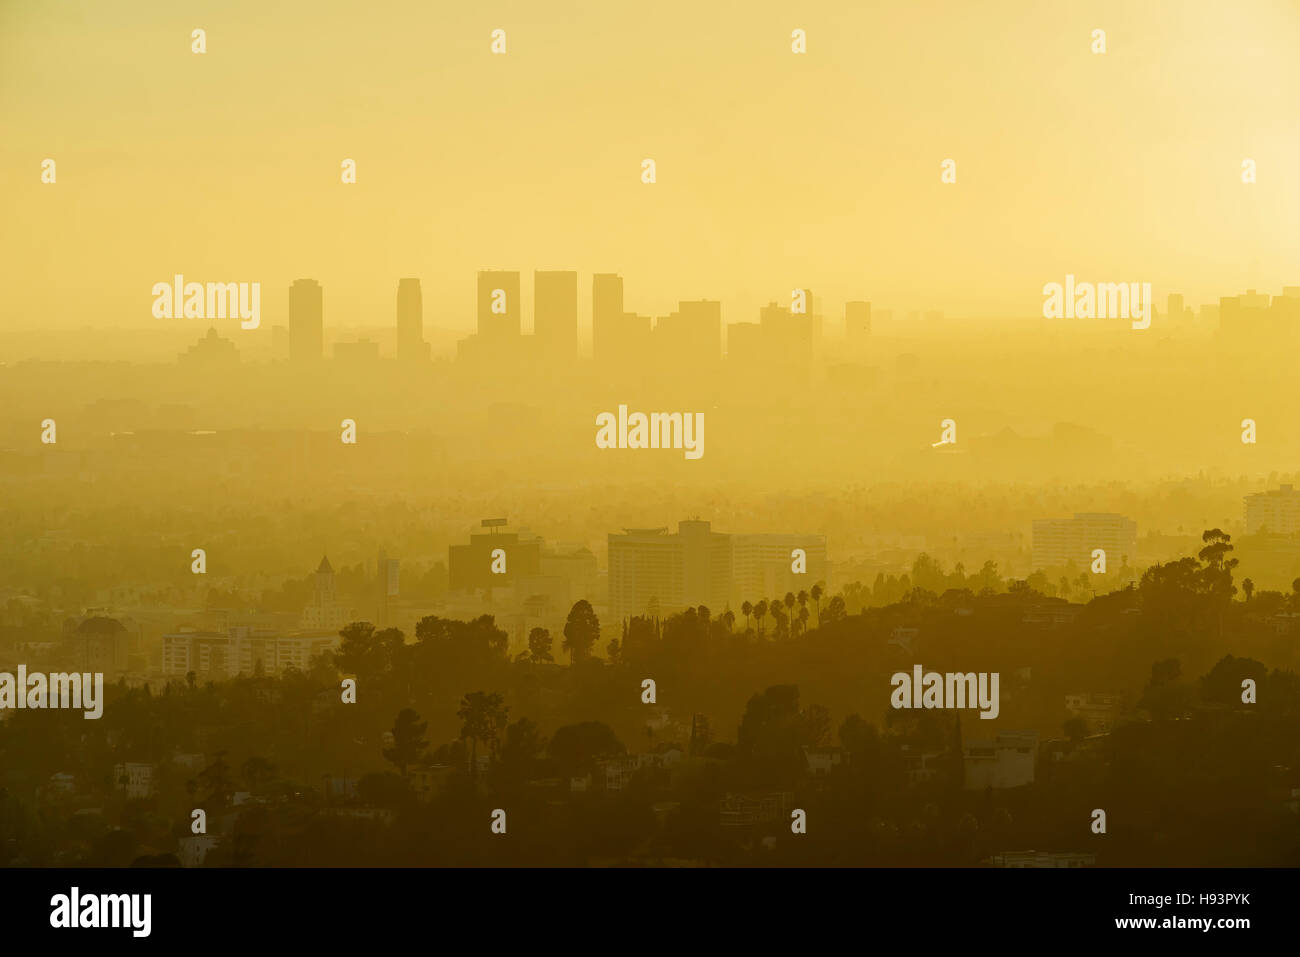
{"points": [[774, 170]]}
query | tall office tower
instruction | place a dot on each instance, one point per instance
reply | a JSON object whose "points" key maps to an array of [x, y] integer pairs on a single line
{"points": [[410, 321], [857, 321], [606, 315], [498, 304], [306, 321], [1175, 306], [555, 313]]}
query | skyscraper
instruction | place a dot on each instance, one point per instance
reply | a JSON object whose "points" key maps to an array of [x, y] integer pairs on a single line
{"points": [[555, 313], [410, 321], [306, 321], [1175, 311], [498, 304], [606, 311]]}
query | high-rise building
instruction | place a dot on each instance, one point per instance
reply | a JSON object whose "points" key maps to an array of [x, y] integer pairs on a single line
{"points": [[618, 338], [410, 321], [493, 559], [691, 334], [1276, 511], [1060, 541], [746, 345], [763, 566], [325, 612], [1175, 307], [498, 304], [606, 314], [651, 568], [555, 314], [306, 321]]}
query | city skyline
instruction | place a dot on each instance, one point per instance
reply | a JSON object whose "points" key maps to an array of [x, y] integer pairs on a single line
{"points": [[576, 327], [821, 179]]}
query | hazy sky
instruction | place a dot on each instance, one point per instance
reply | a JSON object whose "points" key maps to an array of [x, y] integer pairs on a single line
{"points": [[774, 170]]}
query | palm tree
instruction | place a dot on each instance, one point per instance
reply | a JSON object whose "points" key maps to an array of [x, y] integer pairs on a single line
{"points": [[760, 612], [1248, 586], [803, 619], [803, 607], [747, 609], [817, 592], [789, 608]]}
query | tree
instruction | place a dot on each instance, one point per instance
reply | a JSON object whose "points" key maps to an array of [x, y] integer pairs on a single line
{"points": [[802, 598], [539, 645], [835, 611], [1217, 573], [408, 740], [580, 631], [522, 745], [771, 736], [781, 621], [1248, 587], [215, 779], [483, 716], [817, 592], [575, 747], [747, 609], [817, 719], [1164, 695], [760, 612], [1222, 685], [365, 652]]}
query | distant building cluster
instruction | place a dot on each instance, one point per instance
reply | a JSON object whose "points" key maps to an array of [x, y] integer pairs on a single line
{"points": [[652, 571], [246, 647], [787, 338], [1255, 312]]}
